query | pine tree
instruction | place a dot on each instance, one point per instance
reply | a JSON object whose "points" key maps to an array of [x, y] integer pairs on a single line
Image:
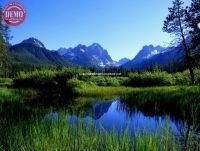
{"points": [[193, 19], [177, 25], [5, 60]]}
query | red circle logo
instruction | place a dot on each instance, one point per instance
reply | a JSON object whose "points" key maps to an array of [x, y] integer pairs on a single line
{"points": [[14, 14]]}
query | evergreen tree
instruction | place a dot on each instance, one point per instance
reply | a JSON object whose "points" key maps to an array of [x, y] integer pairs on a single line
{"points": [[5, 60], [193, 19], [176, 24]]}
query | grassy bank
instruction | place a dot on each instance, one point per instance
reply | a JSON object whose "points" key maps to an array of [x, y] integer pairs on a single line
{"points": [[180, 101], [145, 92], [100, 91]]}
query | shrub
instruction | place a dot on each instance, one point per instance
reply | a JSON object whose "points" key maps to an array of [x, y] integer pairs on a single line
{"points": [[37, 78], [181, 78], [72, 83], [150, 79], [197, 76], [105, 81], [47, 78]]}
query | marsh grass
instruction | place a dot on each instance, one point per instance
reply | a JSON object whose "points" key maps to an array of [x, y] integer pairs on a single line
{"points": [[101, 91], [5, 82], [21, 129], [18, 95], [63, 135], [149, 92], [9, 95]]}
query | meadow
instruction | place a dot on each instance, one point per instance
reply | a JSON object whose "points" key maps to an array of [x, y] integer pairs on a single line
{"points": [[157, 93]]}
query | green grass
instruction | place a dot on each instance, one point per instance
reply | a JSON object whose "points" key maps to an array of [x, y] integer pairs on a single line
{"points": [[8, 95], [58, 79], [100, 91], [62, 135], [22, 128], [15, 95], [6, 81], [161, 78], [86, 89]]}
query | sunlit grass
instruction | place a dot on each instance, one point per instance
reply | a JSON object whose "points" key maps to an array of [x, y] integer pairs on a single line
{"points": [[6, 81], [88, 90], [97, 91], [18, 95]]}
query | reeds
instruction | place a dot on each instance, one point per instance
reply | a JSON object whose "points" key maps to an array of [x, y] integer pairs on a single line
{"points": [[64, 135]]}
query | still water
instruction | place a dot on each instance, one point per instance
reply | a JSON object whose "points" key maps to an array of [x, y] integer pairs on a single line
{"points": [[115, 114]]}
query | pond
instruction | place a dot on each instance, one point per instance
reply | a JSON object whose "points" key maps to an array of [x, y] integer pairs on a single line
{"points": [[26, 114], [115, 114]]}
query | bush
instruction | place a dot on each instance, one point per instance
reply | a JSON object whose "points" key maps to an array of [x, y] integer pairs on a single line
{"points": [[150, 79], [181, 78], [105, 81], [72, 83], [197, 76], [37, 78], [47, 78]]}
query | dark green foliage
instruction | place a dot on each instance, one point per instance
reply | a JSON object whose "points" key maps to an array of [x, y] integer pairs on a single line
{"points": [[150, 79], [72, 83], [49, 79], [25, 67], [160, 78], [106, 81], [5, 60], [58, 79], [176, 23], [177, 99], [193, 19]]}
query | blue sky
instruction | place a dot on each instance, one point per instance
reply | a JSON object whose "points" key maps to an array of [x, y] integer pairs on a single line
{"points": [[120, 26]]}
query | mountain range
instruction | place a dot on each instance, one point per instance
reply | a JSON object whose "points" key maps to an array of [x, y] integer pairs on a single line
{"points": [[150, 55], [91, 56], [33, 51]]}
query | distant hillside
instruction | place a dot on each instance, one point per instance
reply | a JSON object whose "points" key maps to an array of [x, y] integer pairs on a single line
{"points": [[150, 55], [32, 51]]}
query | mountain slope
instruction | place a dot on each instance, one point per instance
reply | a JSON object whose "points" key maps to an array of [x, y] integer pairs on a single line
{"points": [[32, 51], [78, 56], [100, 55], [151, 55], [121, 62]]}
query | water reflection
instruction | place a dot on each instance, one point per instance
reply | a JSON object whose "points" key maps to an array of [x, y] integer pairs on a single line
{"points": [[114, 114]]}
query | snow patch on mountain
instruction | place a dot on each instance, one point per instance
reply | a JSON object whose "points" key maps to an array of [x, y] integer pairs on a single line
{"points": [[152, 53]]}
